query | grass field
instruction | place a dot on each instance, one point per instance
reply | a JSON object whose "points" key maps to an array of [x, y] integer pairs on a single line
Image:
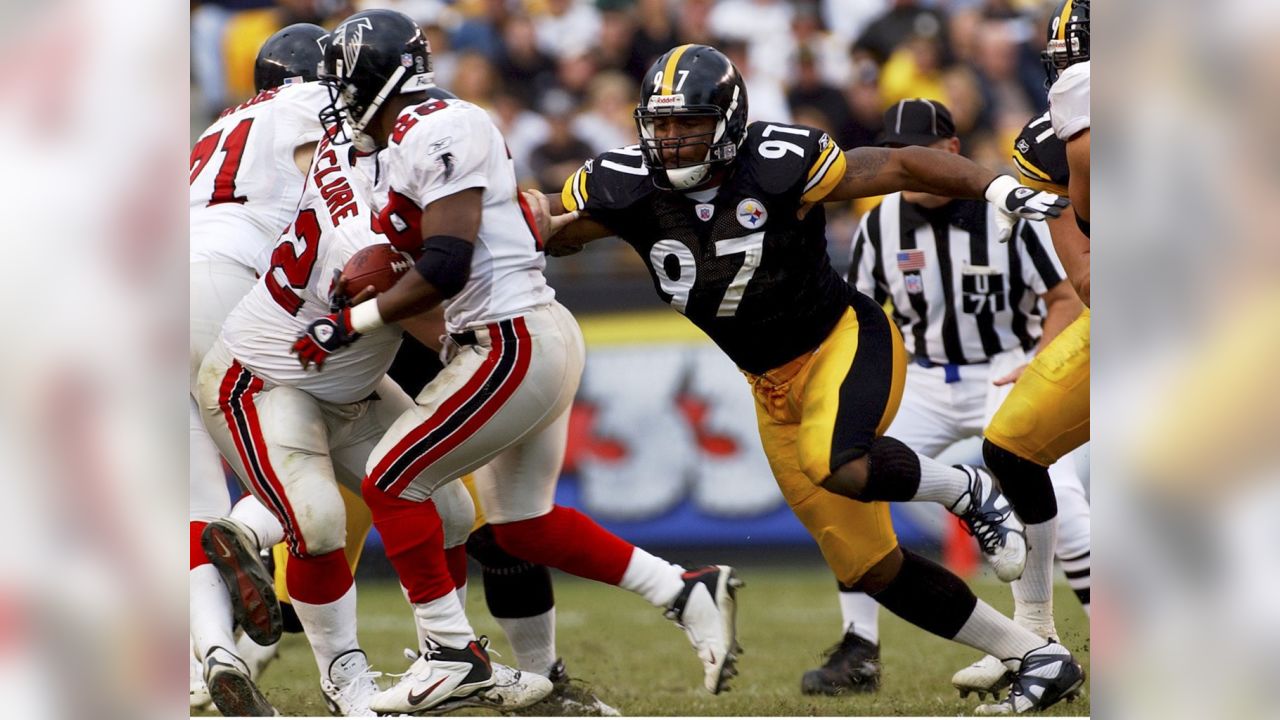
{"points": [[640, 663]]}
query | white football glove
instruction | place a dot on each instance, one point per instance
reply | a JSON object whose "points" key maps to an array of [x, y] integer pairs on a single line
{"points": [[1015, 201]]}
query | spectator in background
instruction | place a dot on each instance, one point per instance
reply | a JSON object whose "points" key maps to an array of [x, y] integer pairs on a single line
{"points": [[904, 20], [693, 25], [526, 71], [574, 74], [761, 25], [444, 60], [606, 122], [246, 31], [863, 94], [523, 130], [768, 99], [811, 93], [569, 27], [848, 19], [475, 79], [1004, 95], [830, 50], [617, 30], [563, 151], [482, 30], [914, 70], [654, 36]]}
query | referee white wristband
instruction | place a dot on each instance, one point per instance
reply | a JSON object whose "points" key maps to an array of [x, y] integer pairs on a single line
{"points": [[365, 316], [998, 190]]}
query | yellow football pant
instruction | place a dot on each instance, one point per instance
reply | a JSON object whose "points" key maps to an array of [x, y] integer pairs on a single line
{"points": [[824, 409]]}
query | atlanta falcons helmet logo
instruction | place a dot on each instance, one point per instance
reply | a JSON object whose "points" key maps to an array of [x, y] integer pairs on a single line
{"points": [[349, 36]]}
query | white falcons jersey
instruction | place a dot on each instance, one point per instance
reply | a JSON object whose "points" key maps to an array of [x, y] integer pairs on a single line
{"points": [[333, 222], [1069, 101], [245, 184], [443, 147]]}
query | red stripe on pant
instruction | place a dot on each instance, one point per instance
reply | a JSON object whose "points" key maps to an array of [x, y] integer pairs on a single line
{"points": [[254, 454], [446, 409], [524, 351]]}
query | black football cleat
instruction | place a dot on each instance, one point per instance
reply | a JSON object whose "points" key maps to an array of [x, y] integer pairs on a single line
{"points": [[853, 666]]}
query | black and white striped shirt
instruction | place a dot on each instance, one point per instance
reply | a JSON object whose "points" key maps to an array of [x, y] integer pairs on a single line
{"points": [[965, 298]]}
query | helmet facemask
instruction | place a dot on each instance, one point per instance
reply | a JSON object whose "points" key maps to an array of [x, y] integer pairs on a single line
{"points": [[689, 169]]}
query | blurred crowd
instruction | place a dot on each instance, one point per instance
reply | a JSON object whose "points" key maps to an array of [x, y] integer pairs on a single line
{"points": [[561, 77]]}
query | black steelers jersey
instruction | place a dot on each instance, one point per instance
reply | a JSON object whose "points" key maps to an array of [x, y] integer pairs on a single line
{"points": [[1041, 157], [740, 265]]}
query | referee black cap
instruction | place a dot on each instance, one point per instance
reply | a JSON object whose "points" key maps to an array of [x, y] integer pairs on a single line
{"points": [[917, 122]]}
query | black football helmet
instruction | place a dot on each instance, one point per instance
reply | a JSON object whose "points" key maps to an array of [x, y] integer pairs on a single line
{"points": [[292, 55], [370, 57], [692, 80], [1068, 40]]}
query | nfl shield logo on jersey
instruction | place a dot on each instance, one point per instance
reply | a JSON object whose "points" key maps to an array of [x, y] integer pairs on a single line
{"points": [[751, 213], [914, 284], [704, 211]]}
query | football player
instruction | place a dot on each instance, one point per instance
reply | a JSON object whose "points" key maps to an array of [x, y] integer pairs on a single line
{"points": [[1047, 414], [247, 173], [728, 218], [501, 405]]}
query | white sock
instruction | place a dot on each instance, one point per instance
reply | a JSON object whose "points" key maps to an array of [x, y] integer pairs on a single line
{"points": [[940, 483], [989, 631], [443, 622], [861, 614], [251, 513], [533, 640], [1033, 592], [653, 578], [330, 627], [211, 619]]}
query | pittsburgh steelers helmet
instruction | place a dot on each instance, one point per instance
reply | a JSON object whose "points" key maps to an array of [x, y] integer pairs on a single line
{"points": [[291, 55], [692, 80], [1068, 39], [370, 57]]}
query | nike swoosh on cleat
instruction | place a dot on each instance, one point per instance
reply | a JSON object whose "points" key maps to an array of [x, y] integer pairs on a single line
{"points": [[223, 550], [415, 698]]}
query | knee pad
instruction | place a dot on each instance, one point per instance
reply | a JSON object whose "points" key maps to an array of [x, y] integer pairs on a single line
{"points": [[893, 471], [457, 512], [1025, 483]]}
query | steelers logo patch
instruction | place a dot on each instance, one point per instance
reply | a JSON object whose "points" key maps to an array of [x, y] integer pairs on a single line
{"points": [[751, 214]]}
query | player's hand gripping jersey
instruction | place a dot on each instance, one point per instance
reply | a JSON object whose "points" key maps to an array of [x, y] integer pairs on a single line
{"points": [[740, 265], [333, 222], [245, 184], [443, 147]]}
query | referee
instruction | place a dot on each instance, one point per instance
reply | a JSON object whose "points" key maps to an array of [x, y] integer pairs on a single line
{"points": [[971, 309]]}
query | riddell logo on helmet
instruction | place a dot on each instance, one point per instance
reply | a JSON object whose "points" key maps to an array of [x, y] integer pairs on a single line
{"points": [[666, 101]]}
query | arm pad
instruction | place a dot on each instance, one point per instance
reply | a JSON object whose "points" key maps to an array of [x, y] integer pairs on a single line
{"points": [[446, 263]]}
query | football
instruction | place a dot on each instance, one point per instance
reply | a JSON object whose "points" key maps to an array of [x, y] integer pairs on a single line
{"points": [[377, 265]]}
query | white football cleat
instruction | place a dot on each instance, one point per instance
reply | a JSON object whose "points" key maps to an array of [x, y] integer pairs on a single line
{"points": [[349, 685], [706, 609], [1048, 674], [231, 688], [986, 676], [444, 679], [988, 517]]}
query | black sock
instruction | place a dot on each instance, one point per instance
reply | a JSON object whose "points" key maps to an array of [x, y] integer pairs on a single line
{"points": [[928, 596], [513, 588], [1026, 484]]}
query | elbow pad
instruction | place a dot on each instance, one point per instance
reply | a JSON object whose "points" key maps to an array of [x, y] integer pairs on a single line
{"points": [[446, 263]]}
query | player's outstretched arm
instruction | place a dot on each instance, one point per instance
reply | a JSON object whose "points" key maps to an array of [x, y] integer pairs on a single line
{"points": [[563, 233], [879, 171]]}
